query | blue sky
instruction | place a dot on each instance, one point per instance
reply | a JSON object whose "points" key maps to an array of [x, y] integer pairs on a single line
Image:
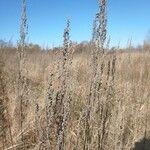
{"points": [[47, 18]]}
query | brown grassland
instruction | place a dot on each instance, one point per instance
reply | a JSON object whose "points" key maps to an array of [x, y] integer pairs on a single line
{"points": [[76, 97]]}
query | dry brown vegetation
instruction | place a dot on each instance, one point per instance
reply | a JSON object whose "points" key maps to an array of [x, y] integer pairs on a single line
{"points": [[76, 97], [129, 117]]}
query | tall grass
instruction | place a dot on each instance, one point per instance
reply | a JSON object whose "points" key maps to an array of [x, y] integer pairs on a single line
{"points": [[77, 97]]}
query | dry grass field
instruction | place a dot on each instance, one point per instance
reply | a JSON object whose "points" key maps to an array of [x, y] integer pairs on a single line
{"points": [[128, 117], [76, 97]]}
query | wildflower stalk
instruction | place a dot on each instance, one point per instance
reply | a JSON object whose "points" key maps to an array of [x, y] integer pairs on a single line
{"points": [[49, 102], [64, 96], [37, 122], [95, 27], [21, 65], [99, 38], [102, 24]]}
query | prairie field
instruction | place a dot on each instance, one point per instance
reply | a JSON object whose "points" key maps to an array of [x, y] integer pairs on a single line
{"points": [[128, 118], [79, 96]]}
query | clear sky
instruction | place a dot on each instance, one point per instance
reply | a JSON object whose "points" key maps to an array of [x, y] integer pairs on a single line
{"points": [[47, 18]]}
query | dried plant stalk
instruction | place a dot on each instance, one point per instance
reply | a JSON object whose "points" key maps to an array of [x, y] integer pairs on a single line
{"points": [[64, 96], [21, 80]]}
